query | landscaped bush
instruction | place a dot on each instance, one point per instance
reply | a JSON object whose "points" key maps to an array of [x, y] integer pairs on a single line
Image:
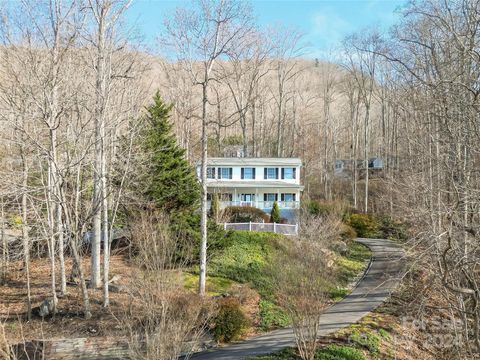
{"points": [[381, 226], [365, 225], [275, 213], [323, 209], [230, 321], [347, 232], [391, 229], [238, 214]]}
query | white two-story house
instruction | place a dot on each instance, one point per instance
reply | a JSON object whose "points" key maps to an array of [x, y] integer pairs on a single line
{"points": [[258, 182]]}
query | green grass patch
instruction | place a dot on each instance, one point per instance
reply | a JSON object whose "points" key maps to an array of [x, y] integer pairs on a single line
{"points": [[246, 260], [215, 285], [353, 262], [384, 334], [330, 352], [285, 354], [272, 316], [368, 340], [337, 352], [338, 293]]}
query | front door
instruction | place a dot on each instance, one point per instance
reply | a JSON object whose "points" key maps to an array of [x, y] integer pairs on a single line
{"points": [[247, 199]]}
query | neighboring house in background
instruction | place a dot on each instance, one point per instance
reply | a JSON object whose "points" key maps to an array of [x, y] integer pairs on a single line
{"points": [[258, 182], [344, 168], [375, 163]]}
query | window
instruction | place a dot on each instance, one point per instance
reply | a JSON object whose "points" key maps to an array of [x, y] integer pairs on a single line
{"points": [[288, 173], [247, 197], [270, 173], [226, 197], [248, 173], [210, 173], [224, 173], [288, 197], [270, 197]]}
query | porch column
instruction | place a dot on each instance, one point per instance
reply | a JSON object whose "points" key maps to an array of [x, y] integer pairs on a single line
{"points": [[256, 197], [234, 197]]}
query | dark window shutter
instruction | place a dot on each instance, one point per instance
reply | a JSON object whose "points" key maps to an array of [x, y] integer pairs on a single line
{"points": [[264, 197], [294, 196], [243, 173], [283, 173], [213, 172], [282, 197], [294, 173], [219, 173], [253, 170], [231, 172], [276, 173], [265, 173], [276, 197]]}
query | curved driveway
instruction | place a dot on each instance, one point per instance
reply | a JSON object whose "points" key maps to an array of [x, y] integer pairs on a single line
{"points": [[382, 276]]}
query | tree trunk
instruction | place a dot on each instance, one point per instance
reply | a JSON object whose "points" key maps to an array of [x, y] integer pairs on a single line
{"points": [[203, 220], [25, 236]]}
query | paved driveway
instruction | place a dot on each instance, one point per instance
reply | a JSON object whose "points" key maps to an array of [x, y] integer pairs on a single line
{"points": [[378, 282]]}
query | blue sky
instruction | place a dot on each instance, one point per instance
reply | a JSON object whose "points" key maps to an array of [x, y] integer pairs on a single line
{"points": [[324, 23]]}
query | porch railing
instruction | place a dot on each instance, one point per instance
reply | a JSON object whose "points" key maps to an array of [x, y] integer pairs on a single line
{"points": [[285, 229], [260, 204]]}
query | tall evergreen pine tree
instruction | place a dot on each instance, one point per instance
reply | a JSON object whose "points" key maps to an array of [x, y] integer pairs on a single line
{"points": [[170, 180]]}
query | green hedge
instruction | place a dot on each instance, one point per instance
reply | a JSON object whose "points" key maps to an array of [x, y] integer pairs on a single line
{"points": [[245, 214], [230, 321]]}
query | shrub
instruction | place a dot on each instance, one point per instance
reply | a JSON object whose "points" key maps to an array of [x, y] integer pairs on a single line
{"points": [[365, 225], [15, 221], [275, 216], [187, 225], [392, 229], [230, 321], [325, 209], [214, 212], [347, 232], [272, 316], [244, 214], [313, 207]]}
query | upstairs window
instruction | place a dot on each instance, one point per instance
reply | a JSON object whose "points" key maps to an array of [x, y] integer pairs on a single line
{"points": [[210, 173], [289, 173], [270, 173], [248, 173], [224, 173]]}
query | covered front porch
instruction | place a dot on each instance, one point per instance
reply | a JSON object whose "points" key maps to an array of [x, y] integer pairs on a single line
{"points": [[260, 196]]}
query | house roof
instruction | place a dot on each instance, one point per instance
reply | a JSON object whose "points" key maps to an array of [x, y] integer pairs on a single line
{"points": [[246, 161], [252, 184]]}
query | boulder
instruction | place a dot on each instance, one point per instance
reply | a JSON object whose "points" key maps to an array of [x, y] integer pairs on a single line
{"points": [[48, 307], [340, 247]]}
